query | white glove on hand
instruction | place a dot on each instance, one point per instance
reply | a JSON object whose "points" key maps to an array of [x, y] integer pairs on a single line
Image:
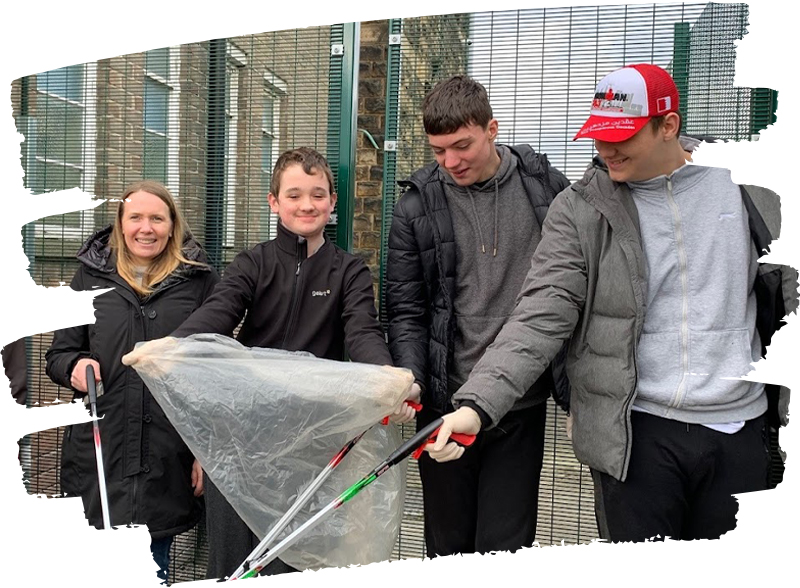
{"points": [[464, 420], [404, 412]]}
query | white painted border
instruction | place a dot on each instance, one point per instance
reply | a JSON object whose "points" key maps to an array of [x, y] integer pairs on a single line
{"points": [[47, 541]]}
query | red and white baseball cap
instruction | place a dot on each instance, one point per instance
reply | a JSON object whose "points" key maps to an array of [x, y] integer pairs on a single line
{"points": [[626, 99]]}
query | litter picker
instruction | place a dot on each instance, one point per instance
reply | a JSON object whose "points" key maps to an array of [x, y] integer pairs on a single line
{"points": [[306, 496], [413, 445], [98, 450]]}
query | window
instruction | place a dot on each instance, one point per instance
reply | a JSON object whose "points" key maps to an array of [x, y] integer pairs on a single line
{"points": [[161, 92], [274, 90], [235, 62], [61, 139]]}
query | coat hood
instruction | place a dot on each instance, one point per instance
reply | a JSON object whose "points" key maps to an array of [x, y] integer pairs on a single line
{"points": [[96, 253]]}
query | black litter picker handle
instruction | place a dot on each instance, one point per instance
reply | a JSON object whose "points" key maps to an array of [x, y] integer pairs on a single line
{"points": [[91, 387]]}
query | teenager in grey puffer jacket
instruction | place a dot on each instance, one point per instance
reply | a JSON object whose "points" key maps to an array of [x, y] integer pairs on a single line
{"points": [[593, 285]]}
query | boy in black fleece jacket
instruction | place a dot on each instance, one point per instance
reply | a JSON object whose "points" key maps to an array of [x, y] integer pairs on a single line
{"points": [[298, 292]]}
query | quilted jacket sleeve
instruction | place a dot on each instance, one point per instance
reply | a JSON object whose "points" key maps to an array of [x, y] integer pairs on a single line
{"points": [[407, 297]]}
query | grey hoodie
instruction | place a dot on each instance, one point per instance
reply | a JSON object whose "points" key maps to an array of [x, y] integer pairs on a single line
{"points": [[496, 233], [701, 307]]}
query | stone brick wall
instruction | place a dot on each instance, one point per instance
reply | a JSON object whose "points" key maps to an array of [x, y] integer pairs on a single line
{"points": [[369, 161], [192, 136], [426, 60]]}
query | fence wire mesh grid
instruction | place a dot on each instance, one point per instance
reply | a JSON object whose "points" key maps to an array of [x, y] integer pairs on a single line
{"points": [[209, 119]]}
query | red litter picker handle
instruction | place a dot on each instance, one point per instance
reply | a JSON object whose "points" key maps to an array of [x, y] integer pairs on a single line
{"points": [[415, 405], [460, 438]]}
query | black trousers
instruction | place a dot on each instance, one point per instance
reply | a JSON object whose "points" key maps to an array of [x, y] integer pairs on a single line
{"points": [[488, 499], [230, 540], [680, 480]]}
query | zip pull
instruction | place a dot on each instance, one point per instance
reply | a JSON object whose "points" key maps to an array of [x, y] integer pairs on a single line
{"points": [[297, 273]]}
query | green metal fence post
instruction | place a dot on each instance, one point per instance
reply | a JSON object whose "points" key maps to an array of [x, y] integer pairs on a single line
{"points": [[215, 154], [680, 65], [763, 107], [389, 190], [342, 119]]}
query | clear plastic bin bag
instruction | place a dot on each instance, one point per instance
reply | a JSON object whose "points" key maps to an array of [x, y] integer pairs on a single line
{"points": [[263, 423]]}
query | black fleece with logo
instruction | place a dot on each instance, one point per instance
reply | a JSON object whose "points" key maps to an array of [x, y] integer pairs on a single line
{"points": [[323, 304]]}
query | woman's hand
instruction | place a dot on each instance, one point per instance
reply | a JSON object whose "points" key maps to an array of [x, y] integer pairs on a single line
{"points": [[78, 377], [197, 478]]}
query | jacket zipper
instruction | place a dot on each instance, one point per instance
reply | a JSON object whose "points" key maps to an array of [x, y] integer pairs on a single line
{"points": [[134, 510], [682, 264], [631, 396], [293, 308], [135, 492]]}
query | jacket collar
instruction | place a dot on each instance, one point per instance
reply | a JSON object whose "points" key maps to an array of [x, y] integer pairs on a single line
{"points": [[294, 244], [430, 172], [612, 199]]}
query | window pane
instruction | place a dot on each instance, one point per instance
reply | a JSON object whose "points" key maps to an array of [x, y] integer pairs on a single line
{"points": [[155, 157], [66, 82], [268, 118], [58, 177], [60, 130], [157, 62], [155, 106], [266, 154]]}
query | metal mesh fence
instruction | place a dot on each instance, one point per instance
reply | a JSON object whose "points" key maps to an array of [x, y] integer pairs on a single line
{"points": [[210, 118], [540, 67]]}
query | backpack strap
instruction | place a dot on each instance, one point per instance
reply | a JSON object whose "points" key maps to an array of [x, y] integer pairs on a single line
{"points": [[758, 228]]}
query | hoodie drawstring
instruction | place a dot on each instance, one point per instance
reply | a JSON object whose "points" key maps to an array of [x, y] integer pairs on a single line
{"points": [[496, 198], [478, 220]]}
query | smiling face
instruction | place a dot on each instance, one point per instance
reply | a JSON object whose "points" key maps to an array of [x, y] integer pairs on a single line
{"points": [[468, 154], [305, 202], [650, 153], [146, 227]]}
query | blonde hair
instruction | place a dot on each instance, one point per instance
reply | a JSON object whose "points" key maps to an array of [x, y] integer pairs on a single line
{"points": [[168, 260]]}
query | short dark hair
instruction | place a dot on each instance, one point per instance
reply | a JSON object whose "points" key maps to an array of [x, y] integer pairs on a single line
{"points": [[455, 103], [657, 122], [311, 160]]}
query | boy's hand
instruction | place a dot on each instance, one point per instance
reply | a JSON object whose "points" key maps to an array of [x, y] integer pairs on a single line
{"points": [[405, 412], [197, 478], [464, 420]]}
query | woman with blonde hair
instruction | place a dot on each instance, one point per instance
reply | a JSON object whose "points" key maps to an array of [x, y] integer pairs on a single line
{"points": [[158, 275]]}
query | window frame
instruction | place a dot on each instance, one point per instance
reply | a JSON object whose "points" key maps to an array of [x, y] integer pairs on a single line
{"points": [[275, 89], [88, 166], [173, 116]]}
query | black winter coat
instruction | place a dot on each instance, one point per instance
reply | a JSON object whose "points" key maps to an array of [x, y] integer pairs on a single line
{"points": [[147, 465], [421, 270]]}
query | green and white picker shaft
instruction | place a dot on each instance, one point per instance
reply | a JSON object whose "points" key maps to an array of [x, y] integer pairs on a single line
{"points": [[396, 457], [304, 498], [296, 506]]}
